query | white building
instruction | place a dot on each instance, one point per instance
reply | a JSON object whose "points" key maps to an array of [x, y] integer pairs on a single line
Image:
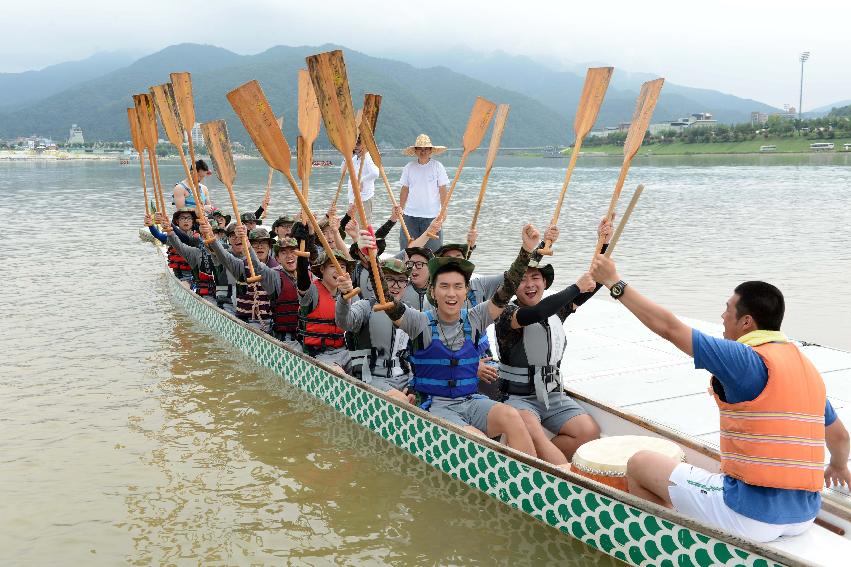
{"points": [[197, 135], [76, 135]]}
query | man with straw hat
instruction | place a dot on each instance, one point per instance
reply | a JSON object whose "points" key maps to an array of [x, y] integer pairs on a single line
{"points": [[424, 182], [375, 344]]}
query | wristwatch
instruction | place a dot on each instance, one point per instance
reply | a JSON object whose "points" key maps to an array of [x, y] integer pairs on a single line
{"points": [[617, 289]]}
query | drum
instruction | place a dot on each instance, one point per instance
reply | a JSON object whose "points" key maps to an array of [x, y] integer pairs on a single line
{"points": [[604, 460]]}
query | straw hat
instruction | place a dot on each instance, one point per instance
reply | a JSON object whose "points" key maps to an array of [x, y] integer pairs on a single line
{"points": [[423, 141]]}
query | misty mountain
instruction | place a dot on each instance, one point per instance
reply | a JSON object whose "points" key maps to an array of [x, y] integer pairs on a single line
{"points": [[436, 100], [560, 89], [18, 89]]}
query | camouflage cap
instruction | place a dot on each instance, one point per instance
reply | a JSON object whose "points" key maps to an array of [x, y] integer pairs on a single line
{"points": [[322, 259], [259, 235], [282, 220], [182, 210], [285, 244], [418, 251], [462, 248], [547, 272], [436, 264], [395, 266], [230, 228], [323, 223], [248, 217]]}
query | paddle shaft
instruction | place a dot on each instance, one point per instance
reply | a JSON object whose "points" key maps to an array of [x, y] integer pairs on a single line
{"points": [[245, 243], [144, 181], [379, 290], [445, 205], [268, 193], [393, 201], [624, 220], [158, 187], [574, 155], [199, 210], [610, 214]]}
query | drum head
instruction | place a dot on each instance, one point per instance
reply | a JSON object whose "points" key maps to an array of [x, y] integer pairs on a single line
{"points": [[610, 454]]}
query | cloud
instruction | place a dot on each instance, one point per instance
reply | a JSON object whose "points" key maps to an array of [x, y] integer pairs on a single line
{"points": [[745, 48]]}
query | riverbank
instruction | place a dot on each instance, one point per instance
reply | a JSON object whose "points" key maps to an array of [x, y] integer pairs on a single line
{"points": [[784, 146]]}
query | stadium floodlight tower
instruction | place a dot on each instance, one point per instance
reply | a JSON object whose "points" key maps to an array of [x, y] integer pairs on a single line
{"points": [[804, 56]]}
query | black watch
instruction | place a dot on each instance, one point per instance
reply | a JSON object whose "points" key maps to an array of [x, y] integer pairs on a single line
{"points": [[617, 289]]}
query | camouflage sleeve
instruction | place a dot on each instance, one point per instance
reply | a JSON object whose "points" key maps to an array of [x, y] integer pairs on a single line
{"points": [[511, 279]]}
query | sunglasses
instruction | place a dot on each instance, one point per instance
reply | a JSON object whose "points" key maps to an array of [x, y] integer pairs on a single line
{"points": [[411, 264]]}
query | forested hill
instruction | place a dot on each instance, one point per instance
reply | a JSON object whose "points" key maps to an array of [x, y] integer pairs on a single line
{"points": [[434, 100]]}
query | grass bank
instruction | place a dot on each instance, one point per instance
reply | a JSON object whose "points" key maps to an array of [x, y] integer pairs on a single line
{"points": [[784, 145]]}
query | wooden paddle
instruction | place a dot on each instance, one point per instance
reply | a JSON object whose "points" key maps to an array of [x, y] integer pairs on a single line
{"points": [[624, 219], [218, 144], [369, 141], [644, 106], [493, 149], [477, 125], [268, 193], [182, 85], [255, 113], [136, 137], [166, 105], [593, 92], [309, 119], [147, 117], [328, 73]]}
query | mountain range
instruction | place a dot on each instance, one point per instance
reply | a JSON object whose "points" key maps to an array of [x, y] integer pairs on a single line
{"points": [[430, 93]]}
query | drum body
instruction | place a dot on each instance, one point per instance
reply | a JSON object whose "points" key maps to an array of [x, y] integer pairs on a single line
{"points": [[604, 460]]}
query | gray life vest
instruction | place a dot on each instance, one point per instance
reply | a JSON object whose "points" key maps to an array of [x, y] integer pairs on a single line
{"points": [[533, 364], [371, 348], [361, 279]]}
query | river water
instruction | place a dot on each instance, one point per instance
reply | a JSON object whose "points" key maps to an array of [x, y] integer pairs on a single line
{"points": [[130, 434]]}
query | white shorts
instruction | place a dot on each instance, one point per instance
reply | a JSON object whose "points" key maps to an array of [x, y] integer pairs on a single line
{"points": [[699, 494]]}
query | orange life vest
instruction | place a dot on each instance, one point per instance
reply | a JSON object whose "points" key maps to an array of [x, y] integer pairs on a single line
{"points": [[777, 440], [318, 327]]}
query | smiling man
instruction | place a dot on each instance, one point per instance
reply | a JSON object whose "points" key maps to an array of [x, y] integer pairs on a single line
{"points": [[775, 419], [280, 283], [424, 182], [445, 352]]}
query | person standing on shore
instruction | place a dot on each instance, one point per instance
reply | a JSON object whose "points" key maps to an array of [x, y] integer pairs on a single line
{"points": [[424, 184], [183, 194]]}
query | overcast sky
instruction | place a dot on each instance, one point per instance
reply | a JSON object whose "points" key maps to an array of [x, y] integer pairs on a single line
{"points": [[743, 47]]}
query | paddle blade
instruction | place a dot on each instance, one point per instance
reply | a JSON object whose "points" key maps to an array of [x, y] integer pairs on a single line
{"points": [[644, 106], [496, 135], [135, 134], [593, 91], [477, 125], [217, 140], [304, 158], [371, 106], [182, 85], [328, 74], [255, 113], [147, 120], [166, 106], [368, 140], [309, 116]]}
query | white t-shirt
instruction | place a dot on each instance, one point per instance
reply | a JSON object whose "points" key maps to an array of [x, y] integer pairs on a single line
{"points": [[367, 178], [423, 182]]}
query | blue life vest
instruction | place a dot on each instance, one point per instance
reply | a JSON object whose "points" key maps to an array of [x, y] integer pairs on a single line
{"points": [[439, 371], [189, 200]]}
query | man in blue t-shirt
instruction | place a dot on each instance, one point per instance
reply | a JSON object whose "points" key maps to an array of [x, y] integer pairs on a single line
{"points": [[751, 322]]}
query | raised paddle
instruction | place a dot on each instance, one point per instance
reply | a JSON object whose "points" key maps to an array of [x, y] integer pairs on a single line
{"points": [[302, 155], [493, 149], [622, 223], [166, 105], [182, 85], [369, 141], [309, 120], [268, 193], [148, 129], [593, 92], [255, 113], [328, 73], [218, 144], [477, 125], [644, 106], [136, 137]]}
